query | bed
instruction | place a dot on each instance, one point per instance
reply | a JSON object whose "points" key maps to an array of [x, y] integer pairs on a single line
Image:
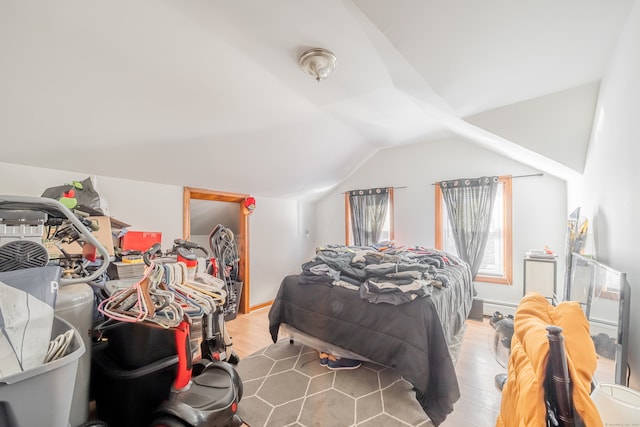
{"points": [[336, 312]]}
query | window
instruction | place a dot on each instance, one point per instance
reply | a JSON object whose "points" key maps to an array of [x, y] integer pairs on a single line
{"points": [[496, 264], [387, 228]]}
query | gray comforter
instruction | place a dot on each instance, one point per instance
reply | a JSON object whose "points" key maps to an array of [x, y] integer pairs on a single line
{"points": [[412, 337]]}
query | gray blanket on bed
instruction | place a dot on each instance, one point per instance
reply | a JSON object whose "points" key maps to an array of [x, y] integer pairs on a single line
{"points": [[408, 337]]}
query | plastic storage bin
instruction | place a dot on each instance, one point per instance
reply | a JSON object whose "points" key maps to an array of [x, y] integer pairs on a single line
{"points": [[42, 396], [127, 398], [233, 300], [618, 405], [135, 345], [139, 240], [41, 282]]}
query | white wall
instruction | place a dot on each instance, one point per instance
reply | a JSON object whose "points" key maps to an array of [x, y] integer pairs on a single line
{"points": [[539, 203], [283, 244], [145, 206], [278, 240], [608, 191]]}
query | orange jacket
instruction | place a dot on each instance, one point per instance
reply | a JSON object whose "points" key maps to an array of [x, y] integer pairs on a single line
{"points": [[523, 394]]}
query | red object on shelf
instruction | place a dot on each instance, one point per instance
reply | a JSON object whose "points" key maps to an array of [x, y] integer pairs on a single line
{"points": [[140, 240]]}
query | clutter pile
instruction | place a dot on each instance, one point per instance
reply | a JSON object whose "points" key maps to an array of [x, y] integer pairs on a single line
{"points": [[155, 330], [39, 348], [154, 349], [224, 265]]}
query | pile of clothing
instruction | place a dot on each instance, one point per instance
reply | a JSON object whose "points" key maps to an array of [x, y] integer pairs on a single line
{"points": [[382, 274]]}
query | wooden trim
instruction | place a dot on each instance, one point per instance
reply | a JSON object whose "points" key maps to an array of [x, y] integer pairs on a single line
{"points": [[347, 219], [242, 238], [244, 262], [263, 305], [491, 279], [391, 220], [186, 214], [439, 215], [508, 230], [220, 196]]}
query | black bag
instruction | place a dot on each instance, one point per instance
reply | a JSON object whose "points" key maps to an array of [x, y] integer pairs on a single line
{"points": [[79, 195]]}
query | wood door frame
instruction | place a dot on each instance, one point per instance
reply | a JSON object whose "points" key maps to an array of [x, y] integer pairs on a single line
{"points": [[241, 238]]}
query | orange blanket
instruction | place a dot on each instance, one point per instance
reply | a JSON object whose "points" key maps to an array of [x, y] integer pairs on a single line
{"points": [[523, 395]]}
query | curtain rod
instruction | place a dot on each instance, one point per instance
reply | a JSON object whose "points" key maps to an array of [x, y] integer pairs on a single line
{"points": [[512, 176], [526, 176], [395, 188]]}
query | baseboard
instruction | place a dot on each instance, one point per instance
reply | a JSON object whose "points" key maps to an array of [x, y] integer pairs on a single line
{"points": [[491, 307], [259, 306]]}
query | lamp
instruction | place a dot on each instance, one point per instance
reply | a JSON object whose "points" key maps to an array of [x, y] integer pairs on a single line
{"points": [[317, 62]]}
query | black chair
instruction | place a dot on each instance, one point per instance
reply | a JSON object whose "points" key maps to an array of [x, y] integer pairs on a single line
{"points": [[558, 397], [557, 385]]}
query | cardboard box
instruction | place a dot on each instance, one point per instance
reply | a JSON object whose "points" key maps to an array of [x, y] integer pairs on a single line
{"points": [[118, 228], [103, 235]]}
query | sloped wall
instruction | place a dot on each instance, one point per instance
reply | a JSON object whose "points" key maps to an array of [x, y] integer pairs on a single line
{"points": [[145, 206], [280, 229]]}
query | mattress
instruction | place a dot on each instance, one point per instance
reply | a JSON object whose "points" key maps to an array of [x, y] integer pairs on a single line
{"points": [[412, 337]]}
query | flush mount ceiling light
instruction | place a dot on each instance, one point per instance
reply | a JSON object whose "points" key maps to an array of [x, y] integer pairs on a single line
{"points": [[317, 62]]}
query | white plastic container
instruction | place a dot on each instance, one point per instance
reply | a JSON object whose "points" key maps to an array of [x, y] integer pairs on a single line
{"points": [[618, 405], [42, 396]]}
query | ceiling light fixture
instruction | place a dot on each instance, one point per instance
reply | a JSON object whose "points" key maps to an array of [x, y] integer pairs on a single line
{"points": [[317, 62]]}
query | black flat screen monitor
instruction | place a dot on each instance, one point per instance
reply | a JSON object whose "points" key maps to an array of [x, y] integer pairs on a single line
{"points": [[604, 295]]}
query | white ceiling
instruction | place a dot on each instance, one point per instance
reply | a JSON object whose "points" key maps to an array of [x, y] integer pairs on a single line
{"points": [[208, 94]]}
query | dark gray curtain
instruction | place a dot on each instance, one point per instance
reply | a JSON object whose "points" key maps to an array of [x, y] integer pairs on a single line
{"points": [[470, 203], [368, 211]]}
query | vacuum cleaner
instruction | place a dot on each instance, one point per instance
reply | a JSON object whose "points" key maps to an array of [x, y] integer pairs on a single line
{"points": [[207, 399]]}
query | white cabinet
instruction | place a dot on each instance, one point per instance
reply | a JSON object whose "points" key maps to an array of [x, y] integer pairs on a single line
{"points": [[540, 276]]}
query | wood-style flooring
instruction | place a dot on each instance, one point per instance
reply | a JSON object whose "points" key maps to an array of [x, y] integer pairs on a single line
{"points": [[476, 367]]}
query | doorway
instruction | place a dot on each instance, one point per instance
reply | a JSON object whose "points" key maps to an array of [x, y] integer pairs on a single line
{"points": [[241, 236]]}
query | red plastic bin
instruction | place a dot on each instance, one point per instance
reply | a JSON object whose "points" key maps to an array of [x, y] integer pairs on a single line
{"points": [[139, 240]]}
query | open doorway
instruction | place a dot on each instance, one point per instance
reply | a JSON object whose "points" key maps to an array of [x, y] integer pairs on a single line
{"points": [[224, 203]]}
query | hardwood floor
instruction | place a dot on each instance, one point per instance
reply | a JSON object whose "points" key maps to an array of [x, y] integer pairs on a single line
{"points": [[476, 368], [250, 332], [479, 403]]}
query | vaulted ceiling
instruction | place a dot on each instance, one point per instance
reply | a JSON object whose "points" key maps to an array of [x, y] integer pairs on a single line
{"points": [[209, 94]]}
